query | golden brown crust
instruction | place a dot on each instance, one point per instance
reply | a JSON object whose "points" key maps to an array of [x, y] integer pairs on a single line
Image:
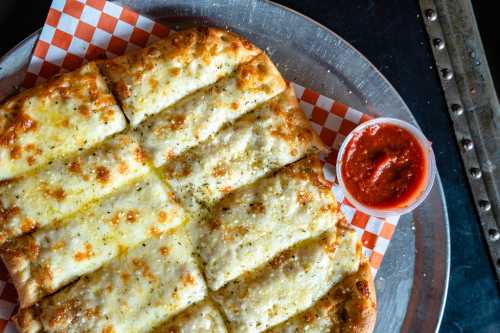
{"points": [[349, 307], [354, 302], [26, 321], [15, 256]]}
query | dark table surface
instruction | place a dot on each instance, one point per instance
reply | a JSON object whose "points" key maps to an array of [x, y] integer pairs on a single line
{"points": [[391, 34]]}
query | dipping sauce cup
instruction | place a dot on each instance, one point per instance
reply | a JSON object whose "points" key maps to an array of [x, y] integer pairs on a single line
{"points": [[386, 167]]}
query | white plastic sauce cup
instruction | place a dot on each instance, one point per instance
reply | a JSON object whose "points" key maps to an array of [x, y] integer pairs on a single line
{"points": [[428, 157]]}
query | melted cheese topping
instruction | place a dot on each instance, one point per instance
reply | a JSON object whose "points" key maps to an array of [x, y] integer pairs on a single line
{"points": [[65, 186], [194, 119], [159, 75], [264, 140], [95, 241], [71, 112], [134, 293], [48, 259], [199, 318], [290, 283], [252, 225], [349, 306]]}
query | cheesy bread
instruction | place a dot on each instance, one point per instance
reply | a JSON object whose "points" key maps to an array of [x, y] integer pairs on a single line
{"points": [[200, 318], [273, 135], [253, 224], [291, 282], [134, 293], [67, 114], [154, 78], [349, 307], [50, 258], [203, 113], [42, 198], [193, 202]]}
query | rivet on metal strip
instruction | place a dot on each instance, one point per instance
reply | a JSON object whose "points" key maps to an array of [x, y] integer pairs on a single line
{"points": [[431, 14], [476, 173], [457, 109], [438, 43], [467, 144], [494, 235], [446, 74], [484, 205]]}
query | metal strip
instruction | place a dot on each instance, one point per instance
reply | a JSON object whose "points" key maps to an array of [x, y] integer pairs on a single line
{"points": [[473, 106]]}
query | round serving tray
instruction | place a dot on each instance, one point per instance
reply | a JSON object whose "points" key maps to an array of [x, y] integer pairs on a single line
{"points": [[412, 281]]}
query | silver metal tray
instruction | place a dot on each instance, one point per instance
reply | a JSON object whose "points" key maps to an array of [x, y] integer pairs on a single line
{"points": [[413, 279]]}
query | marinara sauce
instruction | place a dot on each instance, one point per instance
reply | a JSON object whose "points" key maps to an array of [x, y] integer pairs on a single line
{"points": [[384, 166]]}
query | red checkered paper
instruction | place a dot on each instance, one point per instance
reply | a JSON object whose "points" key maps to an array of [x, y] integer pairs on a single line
{"points": [[77, 31]]}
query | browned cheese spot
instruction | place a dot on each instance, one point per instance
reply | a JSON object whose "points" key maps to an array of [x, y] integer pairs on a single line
{"points": [[64, 122], [280, 259], [15, 152], [231, 232], [175, 71], [84, 110], [7, 213], [132, 216], [304, 197], [140, 155], [213, 224], [172, 197], [362, 286], [155, 232], [31, 160], [188, 279], [164, 250], [154, 84], [115, 219], [169, 154], [162, 216], [122, 168], [86, 254], [62, 313], [219, 170], [122, 89], [102, 174], [256, 208], [125, 277], [107, 115], [74, 167], [28, 225], [146, 271], [108, 329], [17, 123], [56, 193], [91, 313], [330, 208]]}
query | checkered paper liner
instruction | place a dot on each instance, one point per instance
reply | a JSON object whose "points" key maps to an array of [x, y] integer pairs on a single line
{"points": [[77, 31]]}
